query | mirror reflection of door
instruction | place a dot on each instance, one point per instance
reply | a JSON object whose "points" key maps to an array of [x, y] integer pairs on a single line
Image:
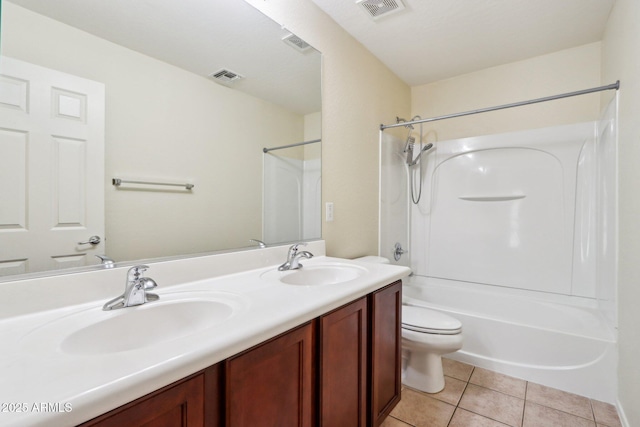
{"points": [[51, 162]]}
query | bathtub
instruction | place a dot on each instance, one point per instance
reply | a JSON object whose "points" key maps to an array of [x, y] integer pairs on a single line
{"points": [[554, 340]]}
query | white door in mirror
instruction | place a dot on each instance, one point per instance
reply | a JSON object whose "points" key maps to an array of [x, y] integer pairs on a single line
{"points": [[51, 168]]}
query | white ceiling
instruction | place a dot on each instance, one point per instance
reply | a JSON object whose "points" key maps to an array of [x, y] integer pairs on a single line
{"points": [[432, 40], [428, 41], [202, 36]]}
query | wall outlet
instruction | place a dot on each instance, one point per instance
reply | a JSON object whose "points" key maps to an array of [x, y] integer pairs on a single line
{"points": [[329, 211]]}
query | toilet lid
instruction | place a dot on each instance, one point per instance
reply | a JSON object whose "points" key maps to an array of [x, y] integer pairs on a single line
{"points": [[421, 319]]}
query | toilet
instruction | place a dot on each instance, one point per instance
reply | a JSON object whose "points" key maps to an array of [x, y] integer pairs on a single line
{"points": [[426, 335]]}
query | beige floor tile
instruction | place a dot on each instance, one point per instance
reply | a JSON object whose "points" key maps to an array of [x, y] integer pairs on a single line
{"points": [[421, 410], [606, 414], [455, 369], [452, 392], [560, 400], [393, 422], [462, 418], [492, 404], [541, 416], [499, 382]]}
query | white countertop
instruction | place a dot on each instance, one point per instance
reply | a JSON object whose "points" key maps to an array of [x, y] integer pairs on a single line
{"points": [[77, 387]]}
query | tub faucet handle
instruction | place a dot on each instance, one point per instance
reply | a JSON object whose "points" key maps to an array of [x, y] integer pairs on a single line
{"points": [[398, 251]]}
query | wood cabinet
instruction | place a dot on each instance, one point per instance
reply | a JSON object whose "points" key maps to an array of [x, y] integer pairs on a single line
{"points": [[180, 404], [272, 385], [385, 351], [341, 369], [343, 366], [360, 360]]}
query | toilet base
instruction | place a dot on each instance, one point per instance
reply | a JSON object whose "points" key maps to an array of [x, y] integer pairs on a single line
{"points": [[424, 373]]}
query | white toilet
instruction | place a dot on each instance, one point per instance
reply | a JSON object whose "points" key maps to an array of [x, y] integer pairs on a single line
{"points": [[427, 335]]}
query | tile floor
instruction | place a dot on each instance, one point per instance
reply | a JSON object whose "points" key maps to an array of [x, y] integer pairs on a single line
{"points": [[476, 397]]}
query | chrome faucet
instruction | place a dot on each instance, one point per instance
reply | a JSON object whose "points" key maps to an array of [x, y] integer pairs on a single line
{"points": [[293, 258], [260, 243], [106, 261], [135, 291]]}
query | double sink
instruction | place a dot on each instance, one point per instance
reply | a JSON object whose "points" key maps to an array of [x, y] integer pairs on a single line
{"points": [[92, 331]]}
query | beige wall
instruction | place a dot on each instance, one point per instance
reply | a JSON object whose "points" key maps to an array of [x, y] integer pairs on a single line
{"points": [[164, 123], [358, 94], [560, 72], [312, 130], [621, 60]]}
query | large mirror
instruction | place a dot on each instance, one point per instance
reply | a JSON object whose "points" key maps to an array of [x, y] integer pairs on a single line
{"points": [[148, 129]]}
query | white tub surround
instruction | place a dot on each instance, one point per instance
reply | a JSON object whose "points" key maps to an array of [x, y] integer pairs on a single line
{"points": [[515, 236], [35, 369]]}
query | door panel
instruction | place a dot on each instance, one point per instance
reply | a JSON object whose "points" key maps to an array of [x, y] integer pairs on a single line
{"points": [[51, 168]]}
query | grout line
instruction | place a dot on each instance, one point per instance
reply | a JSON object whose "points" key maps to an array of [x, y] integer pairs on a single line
{"points": [[524, 407], [402, 421], [462, 394], [487, 417], [498, 391], [593, 412]]}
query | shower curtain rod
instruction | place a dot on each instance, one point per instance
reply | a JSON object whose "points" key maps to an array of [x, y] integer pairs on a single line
{"points": [[266, 150], [615, 86]]}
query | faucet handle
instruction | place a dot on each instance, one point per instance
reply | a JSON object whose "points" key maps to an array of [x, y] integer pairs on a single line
{"points": [[148, 283], [135, 272], [294, 248]]}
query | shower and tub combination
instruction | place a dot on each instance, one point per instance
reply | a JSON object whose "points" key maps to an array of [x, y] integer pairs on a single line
{"points": [[513, 235], [291, 193]]}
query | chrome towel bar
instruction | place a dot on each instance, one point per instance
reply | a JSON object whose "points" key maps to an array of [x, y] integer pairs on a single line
{"points": [[117, 182]]}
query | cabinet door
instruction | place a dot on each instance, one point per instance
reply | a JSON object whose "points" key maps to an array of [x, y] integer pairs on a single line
{"points": [[272, 385], [179, 405], [386, 351], [343, 366]]}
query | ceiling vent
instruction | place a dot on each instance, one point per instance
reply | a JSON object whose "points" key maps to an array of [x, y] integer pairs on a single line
{"points": [[296, 42], [225, 76], [377, 9]]}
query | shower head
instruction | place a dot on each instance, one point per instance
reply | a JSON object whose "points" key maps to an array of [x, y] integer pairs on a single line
{"points": [[429, 146], [411, 161]]}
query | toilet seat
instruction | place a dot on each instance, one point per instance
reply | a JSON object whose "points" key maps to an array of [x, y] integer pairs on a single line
{"points": [[424, 320]]}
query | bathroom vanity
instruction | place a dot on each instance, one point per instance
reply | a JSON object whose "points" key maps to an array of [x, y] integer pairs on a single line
{"points": [[318, 346], [342, 367]]}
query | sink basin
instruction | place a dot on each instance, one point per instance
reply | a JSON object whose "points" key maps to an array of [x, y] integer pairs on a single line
{"points": [[95, 332], [314, 275]]}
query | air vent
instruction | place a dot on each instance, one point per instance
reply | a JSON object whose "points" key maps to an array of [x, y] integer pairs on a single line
{"points": [[377, 9], [225, 76], [296, 42]]}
